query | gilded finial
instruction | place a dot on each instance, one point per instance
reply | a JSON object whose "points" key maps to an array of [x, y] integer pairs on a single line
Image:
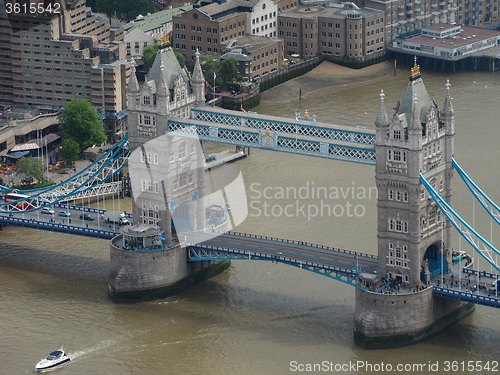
{"points": [[416, 69], [165, 40], [306, 114]]}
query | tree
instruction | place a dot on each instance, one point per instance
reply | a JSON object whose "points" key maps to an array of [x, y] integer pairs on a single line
{"points": [[107, 7], [80, 122], [31, 167], [70, 150], [149, 55], [127, 10], [228, 69], [180, 58], [209, 66]]}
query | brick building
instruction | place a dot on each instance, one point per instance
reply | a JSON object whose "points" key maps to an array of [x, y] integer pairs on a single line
{"points": [[52, 59], [345, 32]]}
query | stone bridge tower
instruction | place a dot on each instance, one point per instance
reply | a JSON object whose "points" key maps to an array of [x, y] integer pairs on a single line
{"points": [[419, 138], [413, 236], [148, 259]]}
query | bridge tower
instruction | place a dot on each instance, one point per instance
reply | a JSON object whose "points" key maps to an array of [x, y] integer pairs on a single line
{"points": [[413, 236], [148, 260]]}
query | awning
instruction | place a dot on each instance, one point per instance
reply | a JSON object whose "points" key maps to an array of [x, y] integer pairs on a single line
{"points": [[25, 147], [48, 139]]}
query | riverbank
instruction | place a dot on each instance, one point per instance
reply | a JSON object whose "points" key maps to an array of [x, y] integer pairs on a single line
{"points": [[328, 74]]}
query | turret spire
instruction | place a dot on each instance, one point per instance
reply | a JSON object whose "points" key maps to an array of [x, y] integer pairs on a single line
{"points": [[448, 107], [133, 84], [198, 81], [382, 120]]}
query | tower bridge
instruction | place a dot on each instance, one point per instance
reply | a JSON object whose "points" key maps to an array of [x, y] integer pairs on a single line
{"points": [[413, 157]]}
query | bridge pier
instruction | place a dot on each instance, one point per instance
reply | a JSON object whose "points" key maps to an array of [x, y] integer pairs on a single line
{"points": [[146, 275], [394, 320]]}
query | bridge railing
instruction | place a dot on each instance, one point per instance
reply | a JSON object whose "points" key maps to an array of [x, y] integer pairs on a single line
{"points": [[273, 257], [481, 273], [467, 296], [62, 228], [303, 243]]}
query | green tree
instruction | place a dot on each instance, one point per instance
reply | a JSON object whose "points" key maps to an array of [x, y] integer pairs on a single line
{"points": [[31, 167], [70, 150], [228, 69], [127, 10], [108, 7], [180, 58], [209, 66], [148, 55], [80, 122]]}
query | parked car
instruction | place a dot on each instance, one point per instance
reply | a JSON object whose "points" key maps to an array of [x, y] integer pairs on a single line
{"points": [[86, 217], [64, 213], [48, 211]]}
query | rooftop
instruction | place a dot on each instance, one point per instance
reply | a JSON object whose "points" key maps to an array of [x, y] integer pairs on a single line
{"points": [[468, 35], [156, 20], [140, 230], [312, 12]]}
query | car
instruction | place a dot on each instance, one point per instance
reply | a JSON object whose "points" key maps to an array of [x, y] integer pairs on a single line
{"points": [[64, 213], [86, 217], [48, 211]]}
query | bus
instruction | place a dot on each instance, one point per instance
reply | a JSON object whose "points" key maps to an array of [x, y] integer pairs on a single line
{"points": [[23, 205]]}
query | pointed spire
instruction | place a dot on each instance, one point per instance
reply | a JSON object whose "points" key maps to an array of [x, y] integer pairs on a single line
{"points": [[197, 71], [415, 123], [198, 81], [448, 107], [133, 84], [382, 120]]}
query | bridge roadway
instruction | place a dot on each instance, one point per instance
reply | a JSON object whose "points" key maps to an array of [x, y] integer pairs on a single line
{"points": [[335, 263], [332, 262], [72, 224]]}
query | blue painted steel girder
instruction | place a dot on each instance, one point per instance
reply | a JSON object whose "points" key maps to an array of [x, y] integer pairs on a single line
{"points": [[272, 140], [256, 121], [466, 297], [204, 252], [55, 227]]}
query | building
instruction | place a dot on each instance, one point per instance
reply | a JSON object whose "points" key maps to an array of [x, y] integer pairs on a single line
{"points": [[451, 42], [344, 32], [215, 27], [156, 24], [406, 16], [262, 18], [478, 13], [265, 54], [284, 5], [21, 125], [61, 56], [207, 29], [135, 41]]}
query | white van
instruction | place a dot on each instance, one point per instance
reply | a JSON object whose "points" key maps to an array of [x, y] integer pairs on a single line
{"points": [[495, 286]]}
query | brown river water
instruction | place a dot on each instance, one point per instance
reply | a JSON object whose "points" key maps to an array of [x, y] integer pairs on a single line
{"points": [[259, 317]]}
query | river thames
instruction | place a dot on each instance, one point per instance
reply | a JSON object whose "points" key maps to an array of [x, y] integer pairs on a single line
{"points": [[258, 317]]}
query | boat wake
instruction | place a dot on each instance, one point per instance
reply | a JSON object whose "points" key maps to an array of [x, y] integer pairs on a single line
{"points": [[86, 352]]}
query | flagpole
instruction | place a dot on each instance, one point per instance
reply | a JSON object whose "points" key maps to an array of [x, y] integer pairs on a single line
{"points": [[215, 97]]}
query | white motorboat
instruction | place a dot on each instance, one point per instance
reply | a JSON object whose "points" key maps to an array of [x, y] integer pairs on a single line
{"points": [[54, 359]]}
